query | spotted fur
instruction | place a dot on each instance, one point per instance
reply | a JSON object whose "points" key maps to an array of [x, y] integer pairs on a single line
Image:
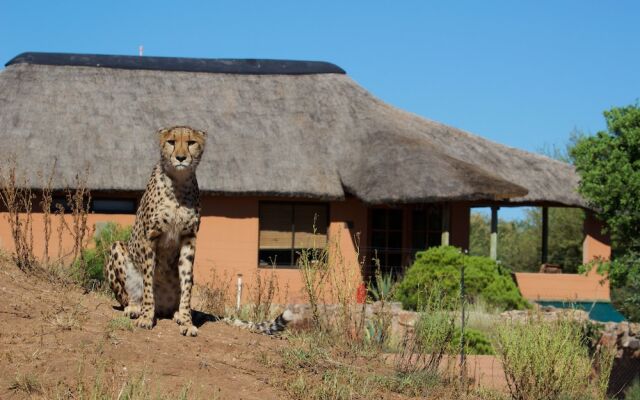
{"points": [[151, 275], [272, 328]]}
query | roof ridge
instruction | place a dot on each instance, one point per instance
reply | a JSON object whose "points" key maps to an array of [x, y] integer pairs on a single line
{"points": [[207, 65]]}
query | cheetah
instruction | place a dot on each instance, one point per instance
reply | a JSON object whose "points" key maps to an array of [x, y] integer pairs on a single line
{"points": [[151, 274]]}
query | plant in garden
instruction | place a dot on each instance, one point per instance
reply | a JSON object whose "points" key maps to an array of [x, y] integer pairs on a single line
{"points": [[89, 268], [484, 279], [546, 360]]}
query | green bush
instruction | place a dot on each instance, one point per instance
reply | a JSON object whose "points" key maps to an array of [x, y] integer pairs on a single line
{"points": [[91, 266], [475, 341], [548, 360], [483, 279]]}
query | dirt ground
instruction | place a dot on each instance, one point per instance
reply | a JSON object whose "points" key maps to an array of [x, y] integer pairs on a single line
{"points": [[57, 342]]}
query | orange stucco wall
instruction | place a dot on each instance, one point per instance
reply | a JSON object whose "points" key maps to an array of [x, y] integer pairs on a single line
{"points": [[228, 240], [597, 244]]}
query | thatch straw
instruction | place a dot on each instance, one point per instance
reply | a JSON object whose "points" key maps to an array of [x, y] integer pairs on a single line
{"points": [[315, 135]]}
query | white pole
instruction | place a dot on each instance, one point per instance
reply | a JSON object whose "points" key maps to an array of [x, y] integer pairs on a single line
{"points": [[239, 293]]}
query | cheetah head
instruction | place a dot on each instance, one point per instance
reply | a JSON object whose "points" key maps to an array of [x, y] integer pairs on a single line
{"points": [[181, 147]]}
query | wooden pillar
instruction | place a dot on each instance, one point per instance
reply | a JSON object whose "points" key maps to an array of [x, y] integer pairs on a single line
{"points": [[493, 250], [446, 218], [545, 235]]}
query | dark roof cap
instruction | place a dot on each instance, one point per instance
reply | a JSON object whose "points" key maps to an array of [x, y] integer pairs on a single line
{"points": [[211, 65]]}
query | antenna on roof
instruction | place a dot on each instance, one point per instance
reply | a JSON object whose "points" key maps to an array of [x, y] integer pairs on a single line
{"points": [[140, 50]]}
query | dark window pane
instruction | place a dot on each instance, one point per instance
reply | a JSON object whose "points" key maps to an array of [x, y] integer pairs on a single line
{"points": [[435, 239], [379, 219], [395, 219], [310, 223], [114, 206], [394, 261], [378, 240], [419, 220], [394, 240], [276, 224], [435, 219], [274, 256], [419, 242]]}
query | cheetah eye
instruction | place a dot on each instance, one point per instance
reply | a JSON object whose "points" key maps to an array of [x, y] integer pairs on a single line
{"points": [[171, 142], [191, 142]]}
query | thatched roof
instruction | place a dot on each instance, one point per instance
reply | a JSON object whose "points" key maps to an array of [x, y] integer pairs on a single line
{"points": [[312, 133]]}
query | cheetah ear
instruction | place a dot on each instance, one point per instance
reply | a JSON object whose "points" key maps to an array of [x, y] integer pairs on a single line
{"points": [[201, 133], [162, 134]]}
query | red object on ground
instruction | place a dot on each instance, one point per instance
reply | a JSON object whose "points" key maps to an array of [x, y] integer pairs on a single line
{"points": [[361, 294]]}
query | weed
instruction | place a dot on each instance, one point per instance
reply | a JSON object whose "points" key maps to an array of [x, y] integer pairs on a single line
{"points": [[547, 359], [262, 294], [215, 297], [120, 323], [432, 337], [26, 383], [633, 391]]}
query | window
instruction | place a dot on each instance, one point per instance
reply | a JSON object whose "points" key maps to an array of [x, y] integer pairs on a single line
{"points": [[114, 206], [386, 238], [426, 231], [286, 228], [99, 205]]}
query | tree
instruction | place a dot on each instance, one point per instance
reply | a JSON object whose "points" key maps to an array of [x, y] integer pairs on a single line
{"points": [[609, 167], [519, 241]]}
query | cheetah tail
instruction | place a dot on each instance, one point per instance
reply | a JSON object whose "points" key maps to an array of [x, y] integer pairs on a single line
{"points": [[272, 327]]}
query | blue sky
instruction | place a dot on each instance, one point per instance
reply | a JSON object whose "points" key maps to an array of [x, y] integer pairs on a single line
{"points": [[521, 73]]}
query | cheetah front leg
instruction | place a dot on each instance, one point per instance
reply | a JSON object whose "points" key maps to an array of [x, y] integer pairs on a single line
{"points": [[185, 271], [147, 315]]}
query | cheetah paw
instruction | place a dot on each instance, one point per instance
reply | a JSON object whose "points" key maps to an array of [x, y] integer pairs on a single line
{"points": [[181, 318], [144, 322], [188, 330], [132, 312]]}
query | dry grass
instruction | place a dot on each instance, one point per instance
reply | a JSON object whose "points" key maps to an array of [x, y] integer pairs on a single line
{"points": [[262, 292], [17, 197], [215, 297]]}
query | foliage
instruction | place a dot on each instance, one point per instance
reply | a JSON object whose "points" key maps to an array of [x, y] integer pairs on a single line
{"points": [[547, 360], [475, 342], [519, 241], [91, 265], [633, 391], [609, 167], [432, 338], [483, 279]]}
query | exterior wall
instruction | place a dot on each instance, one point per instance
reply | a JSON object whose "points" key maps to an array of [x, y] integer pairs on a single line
{"points": [[6, 241], [596, 245], [228, 240]]}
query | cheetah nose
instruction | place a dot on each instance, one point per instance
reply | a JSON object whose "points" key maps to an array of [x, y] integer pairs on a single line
{"points": [[181, 158]]}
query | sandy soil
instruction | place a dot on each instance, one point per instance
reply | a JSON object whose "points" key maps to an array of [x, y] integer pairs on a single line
{"points": [[62, 340]]}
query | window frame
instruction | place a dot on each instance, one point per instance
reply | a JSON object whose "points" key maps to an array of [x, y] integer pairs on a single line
{"points": [[293, 204]]}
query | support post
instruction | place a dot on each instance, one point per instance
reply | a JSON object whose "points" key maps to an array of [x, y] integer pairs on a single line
{"points": [[493, 250], [239, 293], [545, 235], [446, 218]]}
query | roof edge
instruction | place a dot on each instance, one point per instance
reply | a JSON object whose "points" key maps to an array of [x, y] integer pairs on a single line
{"points": [[178, 64]]}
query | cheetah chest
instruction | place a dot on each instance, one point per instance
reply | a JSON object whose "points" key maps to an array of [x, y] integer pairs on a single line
{"points": [[177, 221]]}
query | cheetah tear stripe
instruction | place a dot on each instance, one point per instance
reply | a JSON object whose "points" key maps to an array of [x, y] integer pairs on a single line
{"points": [[271, 328]]}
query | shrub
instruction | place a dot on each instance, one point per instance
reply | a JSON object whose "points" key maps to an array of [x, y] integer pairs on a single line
{"points": [[549, 360], [484, 278], [90, 267], [432, 338], [475, 342]]}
